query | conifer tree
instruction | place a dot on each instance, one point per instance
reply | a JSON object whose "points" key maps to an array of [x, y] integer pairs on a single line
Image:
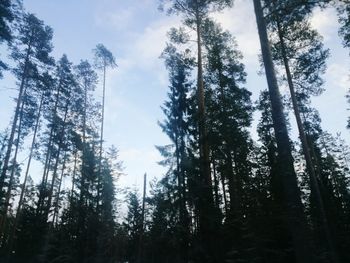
{"points": [[300, 51], [31, 50], [294, 214], [103, 59], [8, 16], [175, 126], [194, 13]]}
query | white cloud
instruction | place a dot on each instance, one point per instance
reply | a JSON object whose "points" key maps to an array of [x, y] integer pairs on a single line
{"points": [[138, 161], [338, 76], [324, 21], [243, 29]]}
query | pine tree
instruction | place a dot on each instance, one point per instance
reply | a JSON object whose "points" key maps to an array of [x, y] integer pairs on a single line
{"points": [[194, 13], [300, 51], [32, 50], [8, 16], [294, 215], [103, 59], [229, 115]]}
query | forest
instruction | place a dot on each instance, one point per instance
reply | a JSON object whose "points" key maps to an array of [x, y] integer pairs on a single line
{"points": [[226, 196]]}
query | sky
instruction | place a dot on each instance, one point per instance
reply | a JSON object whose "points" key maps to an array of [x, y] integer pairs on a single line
{"points": [[135, 32]]}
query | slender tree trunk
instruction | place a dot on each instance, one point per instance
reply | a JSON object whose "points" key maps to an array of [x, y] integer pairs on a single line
{"points": [[48, 153], [13, 171], [140, 248], [233, 177], [223, 185], [23, 187], [15, 119], [103, 111], [208, 216], [216, 184], [55, 214], [74, 175], [203, 134], [14, 159], [294, 215], [315, 189], [101, 141], [54, 175]]}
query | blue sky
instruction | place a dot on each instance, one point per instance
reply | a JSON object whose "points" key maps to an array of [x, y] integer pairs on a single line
{"points": [[135, 32]]}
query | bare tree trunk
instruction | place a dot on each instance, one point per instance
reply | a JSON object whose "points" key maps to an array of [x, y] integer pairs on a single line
{"points": [[208, 216], [13, 170], [15, 119], [140, 248], [294, 215], [101, 141], [23, 187], [48, 154], [55, 214], [315, 189], [216, 183], [54, 176], [223, 185], [74, 174]]}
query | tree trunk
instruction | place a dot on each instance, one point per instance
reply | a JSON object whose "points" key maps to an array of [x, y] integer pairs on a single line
{"points": [[74, 174], [101, 141], [23, 187], [14, 164], [55, 214], [48, 153], [140, 248], [294, 214], [54, 176], [15, 119], [315, 189]]}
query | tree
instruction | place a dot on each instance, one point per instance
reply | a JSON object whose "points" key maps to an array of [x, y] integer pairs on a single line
{"points": [[229, 112], [294, 216], [194, 12], [344, 19], [32, 50], [8, 10], [103, 60], [176, 110], [33, 43], [300, 51]]}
